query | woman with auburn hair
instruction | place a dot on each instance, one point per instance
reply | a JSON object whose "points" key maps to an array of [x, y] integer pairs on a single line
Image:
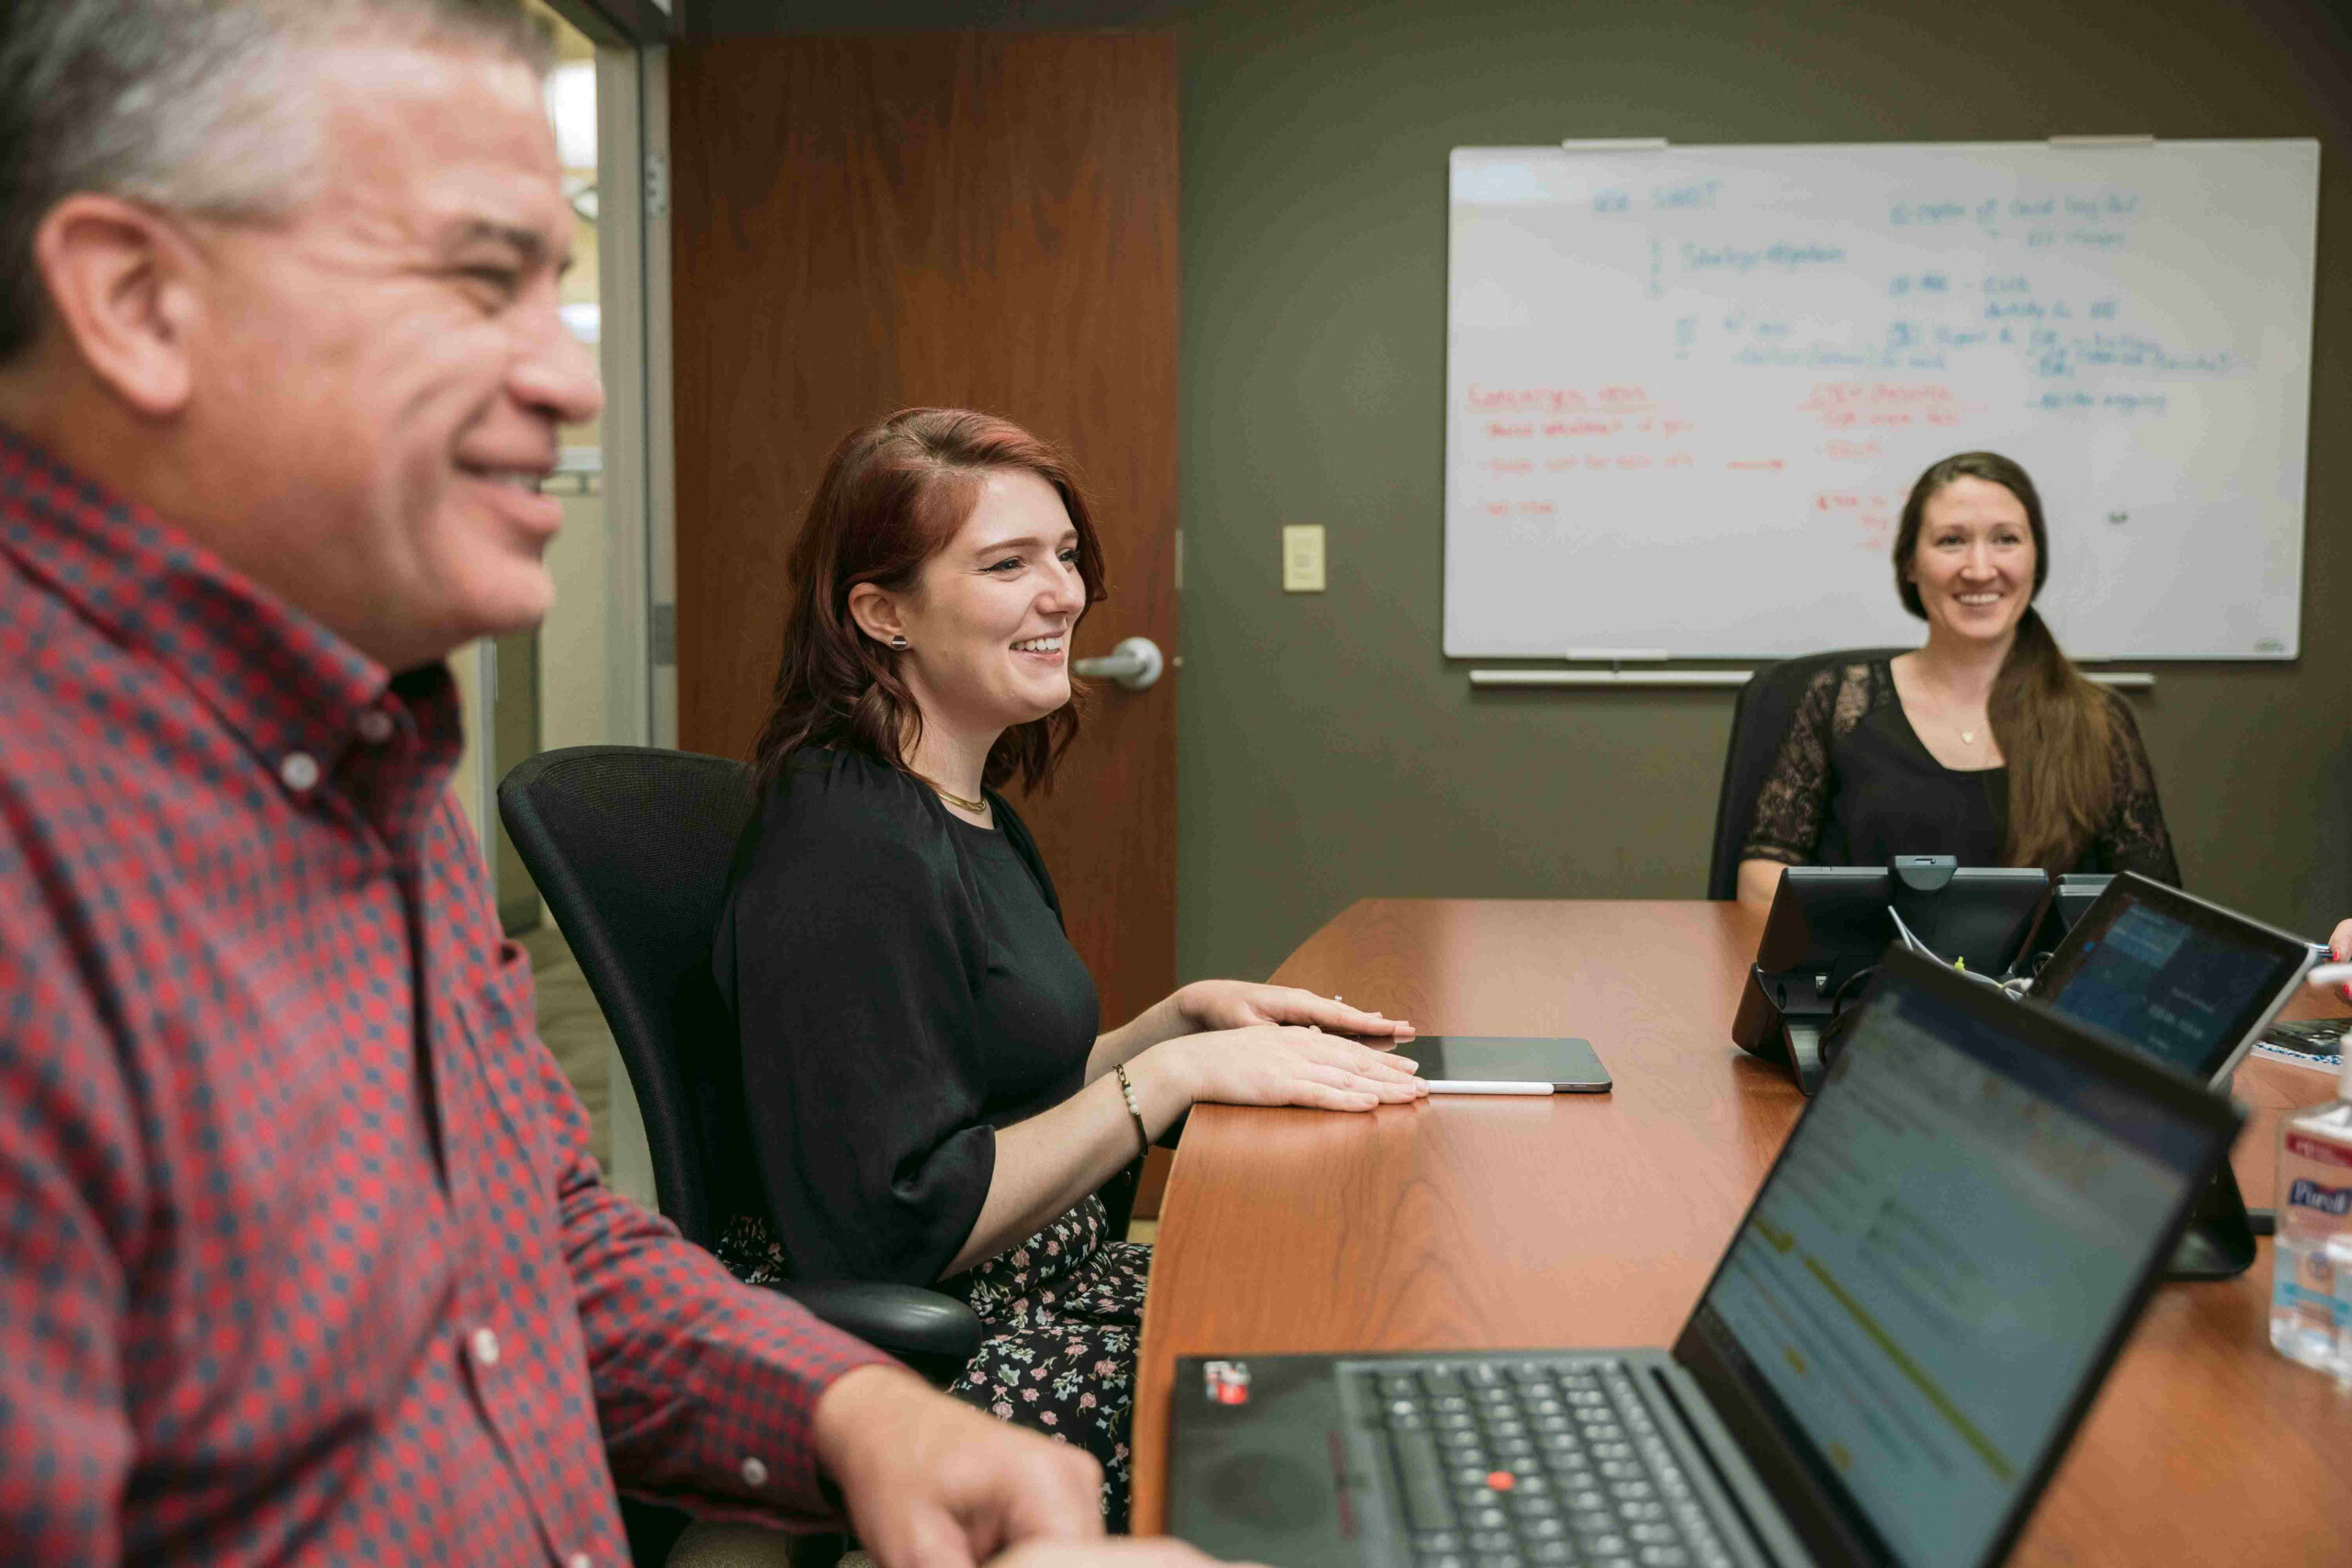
{"points": [[928, 1098], [1987, 743]]}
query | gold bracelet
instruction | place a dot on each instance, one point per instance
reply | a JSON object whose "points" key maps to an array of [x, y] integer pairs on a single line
{"points": [[1128, 1091]]}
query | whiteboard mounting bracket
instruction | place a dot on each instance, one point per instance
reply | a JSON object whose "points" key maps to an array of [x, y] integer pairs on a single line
{"points": [[1616, 658]]}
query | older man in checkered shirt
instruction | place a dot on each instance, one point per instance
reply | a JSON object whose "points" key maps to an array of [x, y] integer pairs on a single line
{"points": [[302, 1254]]}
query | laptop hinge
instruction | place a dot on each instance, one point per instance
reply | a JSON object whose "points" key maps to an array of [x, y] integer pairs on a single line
{"points": [[1753, 1535]]}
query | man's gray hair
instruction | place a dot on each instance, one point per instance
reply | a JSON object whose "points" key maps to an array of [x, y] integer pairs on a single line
{"points": [[198, 106]]}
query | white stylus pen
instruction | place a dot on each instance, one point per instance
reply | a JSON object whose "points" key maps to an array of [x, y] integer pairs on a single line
{"points": [[1468, 1086]]}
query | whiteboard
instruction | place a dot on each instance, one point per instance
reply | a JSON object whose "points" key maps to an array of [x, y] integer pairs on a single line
{"points": [[1688, 387]]}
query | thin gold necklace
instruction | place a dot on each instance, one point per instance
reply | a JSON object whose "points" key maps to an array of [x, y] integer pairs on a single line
{"points": [[1944, 706], [952, 798]]}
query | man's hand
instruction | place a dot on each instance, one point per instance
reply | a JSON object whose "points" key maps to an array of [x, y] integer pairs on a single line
{"points": [[1146, 1551], [931, 1482]]}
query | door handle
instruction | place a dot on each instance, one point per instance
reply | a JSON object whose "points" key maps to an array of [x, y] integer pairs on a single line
{"points": [[1134, 664]]}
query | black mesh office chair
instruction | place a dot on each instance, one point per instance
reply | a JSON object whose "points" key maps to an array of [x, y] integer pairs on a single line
{"points": [[630, 847], [1760, 719]]}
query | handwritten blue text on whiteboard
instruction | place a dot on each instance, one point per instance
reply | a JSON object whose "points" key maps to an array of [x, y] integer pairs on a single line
{"points": [[1688, 387]]}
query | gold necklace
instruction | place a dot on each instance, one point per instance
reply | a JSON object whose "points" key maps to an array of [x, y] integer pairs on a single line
{"points": [[974, 807], [1943, 707], [1967, 736]]}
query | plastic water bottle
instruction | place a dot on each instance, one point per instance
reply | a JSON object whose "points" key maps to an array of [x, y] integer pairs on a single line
{"points": [[2310, 1291]]}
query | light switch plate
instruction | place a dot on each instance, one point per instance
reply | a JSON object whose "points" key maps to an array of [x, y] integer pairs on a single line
{"points": [[1302, 558]]}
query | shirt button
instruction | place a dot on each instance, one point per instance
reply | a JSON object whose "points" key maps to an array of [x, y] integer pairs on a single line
{"points": [[755, 1474], [485, 1348], [579, 1560], [375, 726], [299, 771]]}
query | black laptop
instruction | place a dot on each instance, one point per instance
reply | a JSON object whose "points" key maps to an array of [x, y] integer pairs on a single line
{"points": [[1884, 1369], [2194, 986], [2187, 981]]}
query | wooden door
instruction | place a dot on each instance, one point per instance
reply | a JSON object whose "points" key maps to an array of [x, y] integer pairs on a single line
{"points": [[977, 220]]}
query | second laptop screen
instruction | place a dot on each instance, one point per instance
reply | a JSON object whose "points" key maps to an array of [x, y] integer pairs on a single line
{"points": [[1935, 1263], [2179, 994]]}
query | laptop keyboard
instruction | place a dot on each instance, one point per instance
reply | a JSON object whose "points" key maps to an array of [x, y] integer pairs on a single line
{"points": [[1534, 1464], [2321, 1036]]}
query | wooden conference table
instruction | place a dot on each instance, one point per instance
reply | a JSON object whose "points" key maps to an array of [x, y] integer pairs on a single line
{"points": [[1593, 1221]]}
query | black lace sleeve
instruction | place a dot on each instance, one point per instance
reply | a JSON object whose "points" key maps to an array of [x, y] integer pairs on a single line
{"points": [[1789, 806], [2135, 838]]}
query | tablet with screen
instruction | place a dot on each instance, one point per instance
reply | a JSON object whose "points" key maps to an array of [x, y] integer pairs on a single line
{"points": [[2188, 982], [1463, 1064]]}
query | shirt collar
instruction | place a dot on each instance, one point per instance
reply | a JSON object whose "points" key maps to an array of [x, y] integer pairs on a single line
{"points": [[296, 693]]}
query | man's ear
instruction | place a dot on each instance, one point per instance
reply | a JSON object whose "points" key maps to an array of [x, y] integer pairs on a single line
{"points": [[876, 613], [118, 277]]}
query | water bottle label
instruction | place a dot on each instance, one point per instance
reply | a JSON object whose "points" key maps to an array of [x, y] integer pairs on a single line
{"points": [[2308, 1194], [2321, 1151], [2331, 1303]]}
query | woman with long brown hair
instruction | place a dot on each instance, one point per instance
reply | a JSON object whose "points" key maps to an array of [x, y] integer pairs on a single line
{"points": [[1985, 743], [928, 1097]]}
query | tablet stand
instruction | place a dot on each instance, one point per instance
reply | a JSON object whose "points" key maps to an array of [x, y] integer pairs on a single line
{"points": [[2218, 1242], [1802, 1042], [1782, 1018]]}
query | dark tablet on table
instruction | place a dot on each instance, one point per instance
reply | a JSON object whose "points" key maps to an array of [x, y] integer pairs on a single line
{"points": [[1476, 1062]]}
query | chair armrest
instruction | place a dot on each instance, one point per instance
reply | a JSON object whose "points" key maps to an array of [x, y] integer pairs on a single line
{"points": [[931, 1332]]}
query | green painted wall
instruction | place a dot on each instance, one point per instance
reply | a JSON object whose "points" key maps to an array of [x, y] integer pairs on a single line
{"points": [[1330, 751]]}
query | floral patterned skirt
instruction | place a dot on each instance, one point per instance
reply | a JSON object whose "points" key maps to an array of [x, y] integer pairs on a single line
{"points": [[1064, 1313]]}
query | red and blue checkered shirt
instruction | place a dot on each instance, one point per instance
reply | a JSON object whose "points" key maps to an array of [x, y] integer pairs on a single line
{"points": [[303, 1256]]}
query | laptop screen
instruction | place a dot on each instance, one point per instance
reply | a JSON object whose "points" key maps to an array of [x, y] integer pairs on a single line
{"points": [[1936, 1265], [2182, 980]]}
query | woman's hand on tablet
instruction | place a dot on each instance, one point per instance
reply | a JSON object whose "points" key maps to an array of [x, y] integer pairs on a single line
{"points": [[1236, 1004], [1274, 1064]]}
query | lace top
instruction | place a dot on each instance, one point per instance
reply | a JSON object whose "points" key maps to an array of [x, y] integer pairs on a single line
{"points": [[1854, 785]]}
